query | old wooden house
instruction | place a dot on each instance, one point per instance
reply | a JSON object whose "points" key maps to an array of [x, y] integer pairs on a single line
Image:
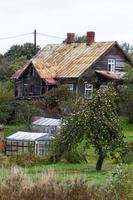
{"points": [[82, 67]]}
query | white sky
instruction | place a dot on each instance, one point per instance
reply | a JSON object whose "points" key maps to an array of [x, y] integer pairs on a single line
{"points": [[110, 19]]}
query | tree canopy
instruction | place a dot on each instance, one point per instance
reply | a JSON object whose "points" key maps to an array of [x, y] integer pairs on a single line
{"points": [[26, 50], [78, 39], [127, 94], [97, 123]]}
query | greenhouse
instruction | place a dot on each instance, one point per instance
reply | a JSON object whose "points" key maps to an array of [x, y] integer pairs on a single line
{"points": [[22, 142], [46, 125]]}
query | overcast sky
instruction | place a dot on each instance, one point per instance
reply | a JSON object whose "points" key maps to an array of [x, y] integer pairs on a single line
{"points": [[110, 19]]}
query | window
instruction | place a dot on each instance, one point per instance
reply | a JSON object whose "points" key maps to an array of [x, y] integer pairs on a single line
{"points": [[71, 87], [88, 90], [32, 72], [103, 87], [111, 65]]}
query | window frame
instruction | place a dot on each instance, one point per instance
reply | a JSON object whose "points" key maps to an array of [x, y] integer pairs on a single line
{"points": [[71, 86], [87, 89], [111, 65]]}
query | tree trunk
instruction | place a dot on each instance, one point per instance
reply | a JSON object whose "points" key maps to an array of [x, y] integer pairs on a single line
{"points": [[100, 162]]}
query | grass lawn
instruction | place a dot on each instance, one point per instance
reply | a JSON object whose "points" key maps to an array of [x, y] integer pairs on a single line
{"points": [[10, 129], [83, 170], [128, 130]]}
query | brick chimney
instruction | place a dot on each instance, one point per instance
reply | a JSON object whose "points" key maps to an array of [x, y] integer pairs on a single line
{"points": [[70, 38], [90, 38]]}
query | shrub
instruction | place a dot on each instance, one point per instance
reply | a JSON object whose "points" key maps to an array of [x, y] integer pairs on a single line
{"points": [[4, 161], [74, 156], [27, 159], [119, 186], [6, 96], [128, 157]]}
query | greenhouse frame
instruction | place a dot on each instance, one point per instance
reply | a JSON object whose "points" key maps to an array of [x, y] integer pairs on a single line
{"points": [[46, 125], [23, 142]]}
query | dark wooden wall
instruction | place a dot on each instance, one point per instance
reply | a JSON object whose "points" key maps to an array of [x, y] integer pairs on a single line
{"points": [[90, 76], [114, 53], [30, 84]]}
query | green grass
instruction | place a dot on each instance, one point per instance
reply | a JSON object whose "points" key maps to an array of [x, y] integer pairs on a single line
{"points": [[128, 130], [10, 129], [64, 170]]}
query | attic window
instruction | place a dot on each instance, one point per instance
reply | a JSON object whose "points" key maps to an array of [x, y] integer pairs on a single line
{"points": [[88, 91], [32, 72], [111, 65]]}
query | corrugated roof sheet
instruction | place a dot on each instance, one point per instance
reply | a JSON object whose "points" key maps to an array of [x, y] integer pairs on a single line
{"points": [[66, 60], [112, 75], [27, 136], [47, 122]]}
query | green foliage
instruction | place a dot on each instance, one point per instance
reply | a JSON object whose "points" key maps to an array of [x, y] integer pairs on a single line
{"points": [[14, 127], [6, 96], [14, 59], [4, 161], [24, 110], [104, 131], [56, 102], [4, 68], [74, 156], [78, 39], [126, 93], [16, 51], [27, 159], [9, 68], [97, 123], [119, 186], [128, 48], [17, 63], [128, 157], [23, 160]]}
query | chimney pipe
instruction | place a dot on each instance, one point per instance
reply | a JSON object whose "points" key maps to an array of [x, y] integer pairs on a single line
{"points": [[90, 38], [70, 38]]}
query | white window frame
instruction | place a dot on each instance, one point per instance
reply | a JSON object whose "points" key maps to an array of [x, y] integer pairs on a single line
{"points": [[88, 91], [111, 65], [103, 87], [71, 87]]}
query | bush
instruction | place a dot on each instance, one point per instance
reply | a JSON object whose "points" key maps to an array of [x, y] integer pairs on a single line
{"points": [[4, 161], [23, 160], [27, 159], [6, 96], [128, 157], [119, 186], [74, 156], [126, 93]]}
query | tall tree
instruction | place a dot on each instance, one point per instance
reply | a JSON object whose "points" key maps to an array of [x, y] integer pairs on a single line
{"points": [[127, 94], [97, 123], [6, 95], [16, 51], [128, 48]]}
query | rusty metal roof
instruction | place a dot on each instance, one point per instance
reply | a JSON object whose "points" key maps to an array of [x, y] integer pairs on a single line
{"points": [[112, 75], [66, 60]]}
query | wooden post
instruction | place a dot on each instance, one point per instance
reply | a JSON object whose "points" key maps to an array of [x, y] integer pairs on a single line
{"points": [[35, 42]]}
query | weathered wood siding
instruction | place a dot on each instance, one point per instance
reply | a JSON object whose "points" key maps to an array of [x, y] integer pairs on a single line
{"points": [[90, 75], [114, 53], [30, 84], [67, 81]]}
